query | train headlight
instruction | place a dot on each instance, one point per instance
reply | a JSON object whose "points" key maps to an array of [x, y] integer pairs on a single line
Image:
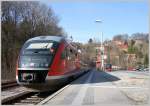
{"points": [[23, 65], [32, 64], [44, 64]]}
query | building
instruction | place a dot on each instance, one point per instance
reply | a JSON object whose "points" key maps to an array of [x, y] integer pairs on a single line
{"points": [[122, 45]]}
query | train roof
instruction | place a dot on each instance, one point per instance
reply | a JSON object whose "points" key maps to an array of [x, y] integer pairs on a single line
{"points": [[48, 37]]}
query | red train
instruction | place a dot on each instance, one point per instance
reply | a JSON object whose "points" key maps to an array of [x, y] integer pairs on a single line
{"points": [[46, 63]]}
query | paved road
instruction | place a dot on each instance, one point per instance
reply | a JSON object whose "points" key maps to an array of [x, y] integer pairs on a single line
{"points": [[99, 88]]}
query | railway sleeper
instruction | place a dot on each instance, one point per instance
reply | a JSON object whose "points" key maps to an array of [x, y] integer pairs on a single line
{"points": [[31, 101], [21, 104], [34, 98]]}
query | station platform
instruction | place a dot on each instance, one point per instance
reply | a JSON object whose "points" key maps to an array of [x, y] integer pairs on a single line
{"points": [[99, 88]]}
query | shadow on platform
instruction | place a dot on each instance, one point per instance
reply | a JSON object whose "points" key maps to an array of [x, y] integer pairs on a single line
{"points": [[97, 77]]}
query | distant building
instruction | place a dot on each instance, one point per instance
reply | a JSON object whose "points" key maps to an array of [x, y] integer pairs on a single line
{"points": [[131, 57], [123, 45], [138, 41]]}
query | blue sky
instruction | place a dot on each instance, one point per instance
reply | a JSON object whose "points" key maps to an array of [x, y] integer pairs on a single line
{"points": [[78, 18]]}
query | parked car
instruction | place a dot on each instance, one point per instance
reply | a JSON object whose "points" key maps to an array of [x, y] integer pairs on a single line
{"points": [[140, 69], [134, 69], [108, 67], [146, 69]]}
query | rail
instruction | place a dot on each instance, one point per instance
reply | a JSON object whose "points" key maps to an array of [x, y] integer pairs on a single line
{"points": [[8, 84]]}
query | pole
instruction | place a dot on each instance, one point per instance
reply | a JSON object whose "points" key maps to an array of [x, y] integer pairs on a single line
{"points": [[127, 62], [102, 50], [108, 54]]}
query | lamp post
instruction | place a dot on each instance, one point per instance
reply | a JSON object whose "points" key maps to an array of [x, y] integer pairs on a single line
{"points": [[102, 47]]}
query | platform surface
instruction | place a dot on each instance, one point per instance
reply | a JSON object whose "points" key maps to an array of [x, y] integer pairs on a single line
{"points": [[97, 88]]}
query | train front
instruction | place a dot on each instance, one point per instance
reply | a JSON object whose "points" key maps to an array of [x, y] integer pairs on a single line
{"points": [[34, 62]]}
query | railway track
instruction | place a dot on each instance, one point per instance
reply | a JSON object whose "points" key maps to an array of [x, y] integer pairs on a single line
{"points": [[32, 98], [8, 84]]}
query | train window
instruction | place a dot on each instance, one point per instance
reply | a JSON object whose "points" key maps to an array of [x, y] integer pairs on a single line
{"points": [[63, 55], [67, 52], [76, 54], [71, 50], [72, 55]]}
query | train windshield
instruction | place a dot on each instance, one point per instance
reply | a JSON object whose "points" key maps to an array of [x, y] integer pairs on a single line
{"points": [[37, 54]]}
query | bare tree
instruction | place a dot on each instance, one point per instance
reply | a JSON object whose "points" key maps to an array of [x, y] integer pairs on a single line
{"points": [[21, 20]]}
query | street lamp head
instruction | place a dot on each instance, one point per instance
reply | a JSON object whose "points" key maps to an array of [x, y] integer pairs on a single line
{"points": [[100, 21]]}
